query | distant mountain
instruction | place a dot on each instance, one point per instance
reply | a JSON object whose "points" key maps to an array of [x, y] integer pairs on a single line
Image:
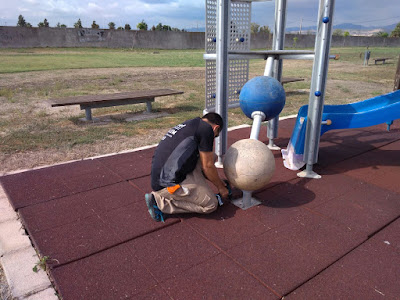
{"points": [[343, 26], [346, 26]]}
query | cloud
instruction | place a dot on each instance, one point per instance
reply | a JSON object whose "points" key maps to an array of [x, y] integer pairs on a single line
{"points": [[184, 13]]}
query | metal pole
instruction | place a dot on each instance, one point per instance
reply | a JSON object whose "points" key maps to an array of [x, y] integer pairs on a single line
{"points": [[318, 84], [222, 76], [278, 44], [258, 117]]}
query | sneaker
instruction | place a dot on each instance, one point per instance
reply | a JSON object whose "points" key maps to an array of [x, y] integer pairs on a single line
{"points": [[155, 213]]}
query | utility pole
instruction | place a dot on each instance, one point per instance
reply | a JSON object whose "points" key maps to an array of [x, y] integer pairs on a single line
{"points": [[301, 24]]}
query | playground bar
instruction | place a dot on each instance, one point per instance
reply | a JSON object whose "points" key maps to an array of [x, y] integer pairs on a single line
{"points": [[318, 84], [222, 75]]}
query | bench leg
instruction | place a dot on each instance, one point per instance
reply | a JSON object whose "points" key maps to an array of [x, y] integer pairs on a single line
{"points": [[148, 106], [88, 112]]}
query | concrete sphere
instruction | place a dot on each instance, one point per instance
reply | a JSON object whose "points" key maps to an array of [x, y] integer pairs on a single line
{"points": [[249, 164], [262, 93]]}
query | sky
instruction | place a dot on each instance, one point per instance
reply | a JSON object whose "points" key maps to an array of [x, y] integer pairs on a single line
{"points": [[185, 14]]}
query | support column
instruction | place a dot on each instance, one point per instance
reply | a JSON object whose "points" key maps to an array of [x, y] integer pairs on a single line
{"points": [[274, 68], [222, 76], [318, 84], [88, 113]]}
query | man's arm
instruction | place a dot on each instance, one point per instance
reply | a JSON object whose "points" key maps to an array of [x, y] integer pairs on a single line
{"points": [[209, 169]]}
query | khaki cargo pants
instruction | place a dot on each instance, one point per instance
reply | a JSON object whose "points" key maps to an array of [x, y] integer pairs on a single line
{"points": [[194, 195]]}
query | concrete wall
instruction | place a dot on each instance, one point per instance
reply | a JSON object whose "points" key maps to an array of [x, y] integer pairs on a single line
{"points": [[19, 37]]}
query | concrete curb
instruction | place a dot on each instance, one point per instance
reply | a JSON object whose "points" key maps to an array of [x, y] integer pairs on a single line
{"points": [[18, 257]]}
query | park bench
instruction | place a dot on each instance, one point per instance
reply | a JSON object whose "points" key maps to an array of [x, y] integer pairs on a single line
{"points": [[88, 102], [290, 79], [382, 59]]}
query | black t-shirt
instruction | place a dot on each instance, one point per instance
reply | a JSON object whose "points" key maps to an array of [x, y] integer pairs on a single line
{"points": [[178, 152]]}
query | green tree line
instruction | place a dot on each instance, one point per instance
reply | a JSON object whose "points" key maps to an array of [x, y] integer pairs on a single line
{"points": [[78, 24]]}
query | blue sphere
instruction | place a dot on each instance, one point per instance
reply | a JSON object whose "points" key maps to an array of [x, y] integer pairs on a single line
{"points": [[264, 94]]}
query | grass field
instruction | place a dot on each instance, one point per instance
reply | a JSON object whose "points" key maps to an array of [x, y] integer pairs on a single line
{"points": [[32, 133]]}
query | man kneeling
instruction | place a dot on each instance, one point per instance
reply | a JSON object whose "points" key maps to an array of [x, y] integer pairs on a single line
{"points": [[181, 163]]}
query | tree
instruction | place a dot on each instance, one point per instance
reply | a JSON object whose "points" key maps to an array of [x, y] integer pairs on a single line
{"points": [[120, 28], [382, 34], [43, 24], [265, 29], [61, 25], [338, 32], [29, 25], [346, 33], [127, 27], [142, 25], [95, 26], [254, 27], [21, 21], [396, 31], [162, 27], [78, 24], [111, 25]]}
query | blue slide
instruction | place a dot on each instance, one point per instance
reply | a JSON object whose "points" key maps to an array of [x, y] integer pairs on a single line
{"points": [[373, 111]]}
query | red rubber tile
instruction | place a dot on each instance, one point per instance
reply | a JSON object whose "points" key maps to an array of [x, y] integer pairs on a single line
{"points": [[379, 167], [27, 188], [275, 210], [330, 154], [72, 208], [75, 240], [369, 272], [36, 186], [143, 184], [217, 278], [244, 133], [325, 237], [310, 193], [85, 175], [156, 293], [390, 235], [171, 251], [133, 220], [228, 226], [276, 261], [281, 174], [111, 274], [130, 165], [364, 209]]}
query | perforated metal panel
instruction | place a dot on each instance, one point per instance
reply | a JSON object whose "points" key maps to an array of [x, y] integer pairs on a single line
{"points": [[239, 40], [239, 36], [211, 83], [211, 25]]}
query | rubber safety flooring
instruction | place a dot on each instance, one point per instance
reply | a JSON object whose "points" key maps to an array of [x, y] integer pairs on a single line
{"points": [[332, 238]]}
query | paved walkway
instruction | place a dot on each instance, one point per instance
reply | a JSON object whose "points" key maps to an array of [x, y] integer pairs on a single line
{"points": [[333, 238]]}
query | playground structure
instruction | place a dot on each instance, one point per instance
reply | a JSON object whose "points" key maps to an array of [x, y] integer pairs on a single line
{"points": [[227, 63]]}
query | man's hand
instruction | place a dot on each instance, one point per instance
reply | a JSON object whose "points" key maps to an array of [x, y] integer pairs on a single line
{"points": [[209, 169], [223, 191]]}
